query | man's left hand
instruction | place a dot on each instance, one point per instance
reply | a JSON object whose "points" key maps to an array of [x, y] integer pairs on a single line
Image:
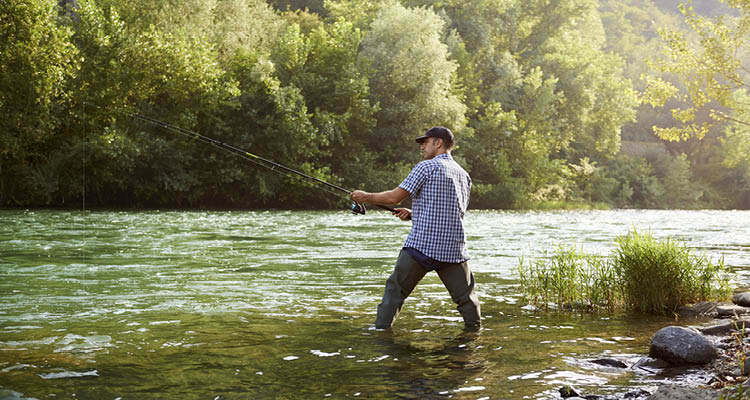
{"points": [[403, 213]]}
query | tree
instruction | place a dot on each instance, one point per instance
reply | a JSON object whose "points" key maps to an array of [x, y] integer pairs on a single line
{"points": [[542, 61], [711, 68], [710, 62], [139, 164], [36, 58], [410, 78]]}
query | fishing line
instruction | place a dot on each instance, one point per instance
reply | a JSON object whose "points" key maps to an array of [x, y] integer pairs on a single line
{"points": [[357, 208], [233, 150], [83, 158], [263, 162], [83, 179]]}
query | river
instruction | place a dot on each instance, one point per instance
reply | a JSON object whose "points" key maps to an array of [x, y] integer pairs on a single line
{"points": [[280, 304]]}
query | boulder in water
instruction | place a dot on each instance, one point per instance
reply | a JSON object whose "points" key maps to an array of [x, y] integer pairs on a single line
{"points": [[742, 299], [681, 346]]}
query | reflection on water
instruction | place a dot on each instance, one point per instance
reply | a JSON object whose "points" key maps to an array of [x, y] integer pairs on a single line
{"points": [[281, 304]]}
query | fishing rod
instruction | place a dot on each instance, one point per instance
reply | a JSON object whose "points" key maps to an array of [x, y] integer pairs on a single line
{"points": [[356, 208]]}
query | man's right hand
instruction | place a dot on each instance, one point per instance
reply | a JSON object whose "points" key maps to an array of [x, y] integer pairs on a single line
{"points": [[359, 196]]}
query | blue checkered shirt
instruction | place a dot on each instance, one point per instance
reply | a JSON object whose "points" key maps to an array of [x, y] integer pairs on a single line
{"points": [[439, 190]]}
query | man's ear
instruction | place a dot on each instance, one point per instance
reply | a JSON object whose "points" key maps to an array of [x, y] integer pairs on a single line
{"points": [[439, 142]]}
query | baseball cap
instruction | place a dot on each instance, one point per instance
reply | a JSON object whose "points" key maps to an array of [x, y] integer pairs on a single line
{"points": [[439, 132]]}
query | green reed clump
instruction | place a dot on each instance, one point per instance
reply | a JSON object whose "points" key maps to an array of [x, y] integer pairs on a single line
{"points": [[659, 276], [570, 279], [643, 274]]}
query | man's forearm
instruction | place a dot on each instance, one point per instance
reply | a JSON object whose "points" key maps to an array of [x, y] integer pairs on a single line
{"points": [[387, 198]]}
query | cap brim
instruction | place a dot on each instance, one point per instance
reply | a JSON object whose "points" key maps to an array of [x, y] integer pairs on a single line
{"points": [[421, 138]]}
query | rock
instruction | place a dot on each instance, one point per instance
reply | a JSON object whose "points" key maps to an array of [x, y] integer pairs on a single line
{"points": [[718, 330], [684, 393], [741, 324], [567, 392], [680, 346], [609, 362], [637, 394], [651, 364], [726, 327], [731, 310], [703, 308], [741, 299]]}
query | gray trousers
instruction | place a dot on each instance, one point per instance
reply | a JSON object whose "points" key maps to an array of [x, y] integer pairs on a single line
{"points": [[457, 278]]}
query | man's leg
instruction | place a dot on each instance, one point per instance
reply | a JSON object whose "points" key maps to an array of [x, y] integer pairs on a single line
{"points": [[398, 287], [459, 281]]}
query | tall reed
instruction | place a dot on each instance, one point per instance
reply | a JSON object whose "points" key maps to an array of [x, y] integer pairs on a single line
{"points": [[570, 279], [643, 274]]}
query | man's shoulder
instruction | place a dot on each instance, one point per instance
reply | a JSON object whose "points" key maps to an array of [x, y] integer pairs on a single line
{"points": [[438, 160], [427, 164], [449, 163], [442, 162]]}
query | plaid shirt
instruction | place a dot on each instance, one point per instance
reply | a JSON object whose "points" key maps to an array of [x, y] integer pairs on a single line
{"points": [[439, 190]]}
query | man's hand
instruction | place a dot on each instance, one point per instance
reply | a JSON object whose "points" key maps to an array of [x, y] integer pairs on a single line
{"points": [[403, 213], [360, 196]]}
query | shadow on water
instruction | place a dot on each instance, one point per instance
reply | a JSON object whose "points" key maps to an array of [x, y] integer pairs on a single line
{"points": [[437, 368]]}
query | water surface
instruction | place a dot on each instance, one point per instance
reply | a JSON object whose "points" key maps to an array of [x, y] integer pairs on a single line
{"points": [[206, 305]]}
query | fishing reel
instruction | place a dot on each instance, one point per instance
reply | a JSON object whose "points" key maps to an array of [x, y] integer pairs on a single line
{"points": [[358, 208]]}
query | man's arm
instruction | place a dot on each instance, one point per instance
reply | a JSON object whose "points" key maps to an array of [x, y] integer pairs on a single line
{"points": [[387, 198]]}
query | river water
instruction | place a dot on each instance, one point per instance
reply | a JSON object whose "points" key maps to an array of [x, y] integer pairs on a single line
{"points": [[280, 304]]}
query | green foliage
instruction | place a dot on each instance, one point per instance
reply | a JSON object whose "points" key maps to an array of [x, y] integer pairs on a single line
{"points": [[643, 274], [569, 279], [361, 13], [36, 59], [540, 63], [710, 68], [736, 143], [536, 91], [410, 77], [659, 276]]}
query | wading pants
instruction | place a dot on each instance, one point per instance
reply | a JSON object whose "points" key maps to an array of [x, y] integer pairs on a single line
{"points": [[457, 278]]}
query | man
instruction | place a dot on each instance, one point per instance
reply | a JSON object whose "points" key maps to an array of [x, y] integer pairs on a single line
{"points": [[439, 189]]}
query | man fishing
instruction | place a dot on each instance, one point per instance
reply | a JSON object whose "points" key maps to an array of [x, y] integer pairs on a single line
{"points": [[439, 189]]}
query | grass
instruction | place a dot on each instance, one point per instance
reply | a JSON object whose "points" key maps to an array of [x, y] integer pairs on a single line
{"points": [[659, 276], [570, 279], [643, 274]]}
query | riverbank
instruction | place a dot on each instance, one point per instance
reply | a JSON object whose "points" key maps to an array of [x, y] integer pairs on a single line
{"points": [[705, 361]]}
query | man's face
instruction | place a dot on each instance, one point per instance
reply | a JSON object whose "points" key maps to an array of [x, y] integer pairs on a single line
{"points": [[430, 147]]}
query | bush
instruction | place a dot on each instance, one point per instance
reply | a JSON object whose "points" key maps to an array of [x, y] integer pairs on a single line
{"points": [[659, 276], [643, 275]]}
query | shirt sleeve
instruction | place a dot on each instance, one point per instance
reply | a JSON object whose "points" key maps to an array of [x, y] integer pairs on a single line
{"points": [[416, 178]]}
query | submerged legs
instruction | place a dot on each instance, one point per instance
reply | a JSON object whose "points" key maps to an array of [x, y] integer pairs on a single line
{"points": [[459, 281], [407, 273], [457, 278]]}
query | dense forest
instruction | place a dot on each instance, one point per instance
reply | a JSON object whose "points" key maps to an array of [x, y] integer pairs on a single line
{"points": [[608, 103]]}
